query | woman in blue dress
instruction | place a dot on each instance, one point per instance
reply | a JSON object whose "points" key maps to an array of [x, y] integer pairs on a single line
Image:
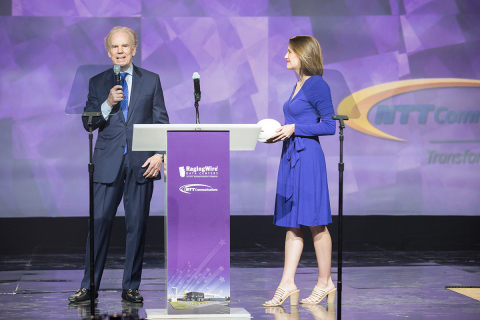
{"points": [[302, 190]]}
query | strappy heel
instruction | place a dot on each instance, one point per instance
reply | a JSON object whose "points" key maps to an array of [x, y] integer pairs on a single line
{"points": [[281, 295], [318, 294]]}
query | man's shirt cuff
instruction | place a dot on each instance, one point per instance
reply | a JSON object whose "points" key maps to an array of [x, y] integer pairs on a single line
{"points": [[106, 109]]}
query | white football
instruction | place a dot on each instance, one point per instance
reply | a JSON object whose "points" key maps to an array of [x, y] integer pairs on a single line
{"points": [[268, 129]]}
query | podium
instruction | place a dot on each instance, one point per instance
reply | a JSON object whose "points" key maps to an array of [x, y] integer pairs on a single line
{"points": [[197, 214]]}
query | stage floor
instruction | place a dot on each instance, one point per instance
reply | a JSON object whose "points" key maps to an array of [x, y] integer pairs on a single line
{"points": [[376, 285]]}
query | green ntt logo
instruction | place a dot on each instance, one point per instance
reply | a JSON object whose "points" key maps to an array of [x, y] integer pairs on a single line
{"points": [[359, 103]]}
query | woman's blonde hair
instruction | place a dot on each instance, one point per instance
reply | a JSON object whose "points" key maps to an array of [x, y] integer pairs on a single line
{"points": [[309, 53], [127, 30]]}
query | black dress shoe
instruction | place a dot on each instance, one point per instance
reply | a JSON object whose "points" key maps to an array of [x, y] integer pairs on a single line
{"points": [[81, 295], [132, 296]]}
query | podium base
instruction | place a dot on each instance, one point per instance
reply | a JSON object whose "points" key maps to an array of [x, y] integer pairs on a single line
{"points": [[235, 313]]}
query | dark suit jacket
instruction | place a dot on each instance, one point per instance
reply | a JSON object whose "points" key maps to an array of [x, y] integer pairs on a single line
{"points": [[146, 106]]}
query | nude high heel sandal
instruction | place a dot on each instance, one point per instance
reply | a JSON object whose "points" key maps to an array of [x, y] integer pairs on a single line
{"points": [[318, 295], [281, 295]]}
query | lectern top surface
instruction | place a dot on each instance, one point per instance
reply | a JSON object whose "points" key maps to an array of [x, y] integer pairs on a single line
{"points": [[153, 137]]}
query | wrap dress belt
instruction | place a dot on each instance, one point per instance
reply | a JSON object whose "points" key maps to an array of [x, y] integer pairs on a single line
{"points": [[294, 145]]}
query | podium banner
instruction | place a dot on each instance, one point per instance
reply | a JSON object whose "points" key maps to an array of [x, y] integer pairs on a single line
{"points": [[198, 223]]}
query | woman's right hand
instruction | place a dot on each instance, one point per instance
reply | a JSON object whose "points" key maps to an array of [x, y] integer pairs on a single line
{"points": [[282, 133]]}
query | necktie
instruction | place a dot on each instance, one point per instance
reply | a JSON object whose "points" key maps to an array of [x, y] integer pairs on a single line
{"points": [[124, 103]]}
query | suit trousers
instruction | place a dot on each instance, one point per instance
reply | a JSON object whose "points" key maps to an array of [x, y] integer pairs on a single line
{"points": [[136, 200]]}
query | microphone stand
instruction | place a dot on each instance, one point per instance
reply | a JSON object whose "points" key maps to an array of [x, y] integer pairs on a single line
{"points": [[198, 96], [196, 108], [90, 116], [340, 214]]}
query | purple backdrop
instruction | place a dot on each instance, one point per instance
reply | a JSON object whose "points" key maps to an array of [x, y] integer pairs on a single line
{"points": [[237, 47]]}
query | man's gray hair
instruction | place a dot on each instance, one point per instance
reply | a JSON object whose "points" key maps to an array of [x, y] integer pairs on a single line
{"points": [[127, 30]]}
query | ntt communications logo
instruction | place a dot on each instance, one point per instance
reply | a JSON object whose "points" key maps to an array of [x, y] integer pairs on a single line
{"points": [[367, 98], [195, 188]]}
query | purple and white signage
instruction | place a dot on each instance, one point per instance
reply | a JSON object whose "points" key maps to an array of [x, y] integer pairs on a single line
{"points": [[198, 223]]}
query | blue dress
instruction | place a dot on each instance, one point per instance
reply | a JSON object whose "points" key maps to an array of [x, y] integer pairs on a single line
{"points": [[302, 189]]}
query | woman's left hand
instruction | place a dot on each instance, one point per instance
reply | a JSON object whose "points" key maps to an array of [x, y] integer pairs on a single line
{"points": [[282, 133]]}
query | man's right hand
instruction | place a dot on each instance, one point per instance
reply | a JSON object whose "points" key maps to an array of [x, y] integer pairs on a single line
{"points": [[115, 96]]}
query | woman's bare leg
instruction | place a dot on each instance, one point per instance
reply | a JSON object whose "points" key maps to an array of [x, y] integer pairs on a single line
{"points": [[323, 250], [293, 251]]}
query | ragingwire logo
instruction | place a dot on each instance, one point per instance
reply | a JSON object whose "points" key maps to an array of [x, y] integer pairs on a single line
{"points": [[182, 171]]}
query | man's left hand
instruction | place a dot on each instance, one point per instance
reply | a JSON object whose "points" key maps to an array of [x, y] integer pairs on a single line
{"points": [[154, 164]]}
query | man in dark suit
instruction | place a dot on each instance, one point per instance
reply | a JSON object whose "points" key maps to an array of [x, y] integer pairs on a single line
{"points": [[119, 172]]}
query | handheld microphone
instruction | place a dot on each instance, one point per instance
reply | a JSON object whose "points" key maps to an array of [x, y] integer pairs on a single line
{"points": [[116, 70], [196, 85], [118, 81]]}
